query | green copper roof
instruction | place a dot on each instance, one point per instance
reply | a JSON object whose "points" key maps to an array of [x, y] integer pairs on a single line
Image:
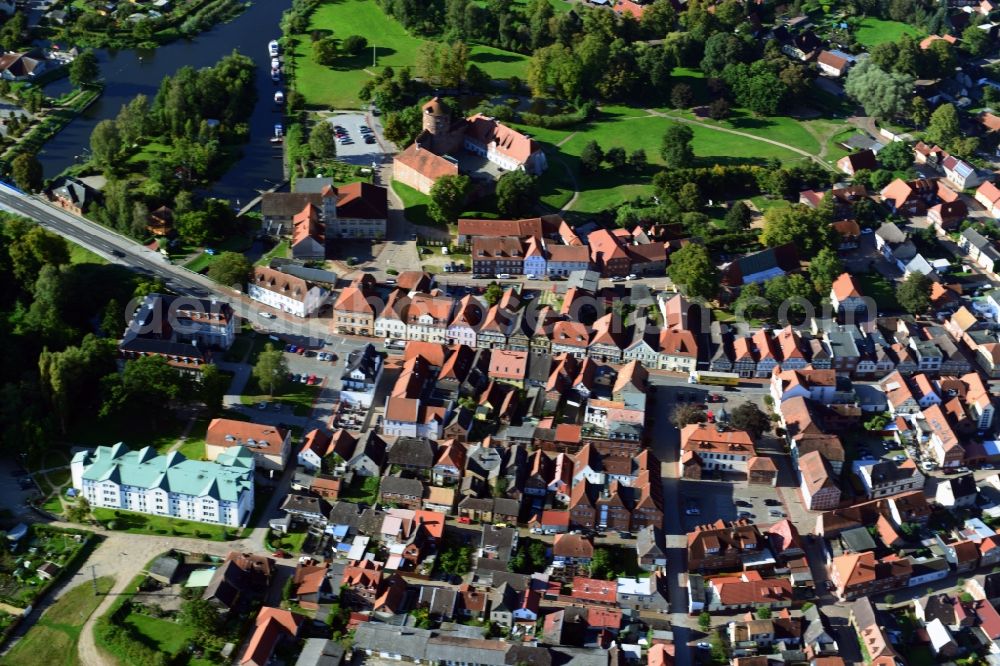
{"points": [[224, 479]]}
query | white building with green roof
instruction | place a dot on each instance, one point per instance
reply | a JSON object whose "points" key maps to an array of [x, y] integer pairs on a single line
{"points": [[116, 477]]}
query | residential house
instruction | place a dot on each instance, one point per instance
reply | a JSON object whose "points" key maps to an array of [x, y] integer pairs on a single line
{"points": [[427, 318], [943, 444], [846, 296], [723, 546], [748, 591], [572, 549], [857, 575], [678, 350], [71, 194], [980, 249], [960, 173], [836, 63], [871, 635], [909, 197], [863, 159], [707, 447], [884, 478], [273, 626], [820, 491], [565, 259], [465, 321], [269, 445], [361, 376], [607, 255], [988, 195]]}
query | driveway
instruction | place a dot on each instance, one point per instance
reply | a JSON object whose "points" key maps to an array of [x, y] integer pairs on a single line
{"points": [[356, 151]]}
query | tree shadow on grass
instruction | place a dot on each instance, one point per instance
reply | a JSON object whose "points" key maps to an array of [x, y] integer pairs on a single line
{"points": [[362, 60], [482, 57]]}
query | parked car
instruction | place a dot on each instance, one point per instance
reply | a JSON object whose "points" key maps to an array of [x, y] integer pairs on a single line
{"points": [[693, 511], [266, 315], [262, 405], [464, 520]]}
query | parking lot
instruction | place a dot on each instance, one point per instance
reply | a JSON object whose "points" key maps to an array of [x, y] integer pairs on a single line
{"points": [[357, 152], [730, 500]]}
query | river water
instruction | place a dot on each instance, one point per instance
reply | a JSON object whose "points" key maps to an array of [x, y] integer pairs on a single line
{"points": [[132, 72]]}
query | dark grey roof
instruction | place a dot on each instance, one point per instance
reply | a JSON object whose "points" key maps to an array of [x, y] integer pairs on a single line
{"points": [[309, 274], [539, 368], [312, 185], [165, 567], [76, 191], [439, 601], [163, 347], [344, 513], [305, 504], [320, 652], [519, 582], [585, 280], [397, 485], [963, 486], [649, 541], [505, 506], [857, 540], [890, 233], [364, 360], [412, 452]]}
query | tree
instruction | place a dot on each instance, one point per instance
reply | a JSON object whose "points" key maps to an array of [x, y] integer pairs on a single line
{"points": [[681, 96], [637, 160], [877, 422], [84, 69], [147, 380], [691, 269], [354, 44], [748, 416], [517, 194], [823, 270], [884, 95], [685, 413], [738, 217], [689, 198], [26, 171], [897, 156], [797, 224], [212, 388], [764, 613], [591, 157], [616, 157], [105, 143], [705, 621], [913, 293], [322, 141], [325, 51], [199, 615], [975, 40], [675, 148], [722, 49], [920, 113], [230, 268], [943, 127], [270, 368], [751, 303], [719, 109], [493, 294], [448, 198], [600, 564]]}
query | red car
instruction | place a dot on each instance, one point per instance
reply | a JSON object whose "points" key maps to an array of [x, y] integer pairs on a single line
{"points": [[300, 350], [312, 380], [280, 553], [464, 520]]}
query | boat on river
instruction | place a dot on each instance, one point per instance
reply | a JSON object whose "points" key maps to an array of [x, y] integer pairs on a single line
{"points": [[279, 98], [272, 47]]}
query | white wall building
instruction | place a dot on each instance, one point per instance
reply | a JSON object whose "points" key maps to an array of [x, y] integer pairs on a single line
{"points": [[116, 477], [286, 292]]}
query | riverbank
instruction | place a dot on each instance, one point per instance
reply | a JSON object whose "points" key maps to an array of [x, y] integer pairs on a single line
{"points": [[52, 122], [142, 29]]}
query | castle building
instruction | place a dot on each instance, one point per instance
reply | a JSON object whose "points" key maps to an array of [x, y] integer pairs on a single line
{"points": [[434, 153]]}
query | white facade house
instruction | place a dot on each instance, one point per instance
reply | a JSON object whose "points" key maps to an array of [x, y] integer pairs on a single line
{"points": [[116, 477], [960, 173], [361, 376], [286, 292]]}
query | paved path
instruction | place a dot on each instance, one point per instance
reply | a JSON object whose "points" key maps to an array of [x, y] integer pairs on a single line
{"points": [[717, 128]]}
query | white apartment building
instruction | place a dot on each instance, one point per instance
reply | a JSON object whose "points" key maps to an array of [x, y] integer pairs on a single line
{"points": [[286, 292], [116, 477]]}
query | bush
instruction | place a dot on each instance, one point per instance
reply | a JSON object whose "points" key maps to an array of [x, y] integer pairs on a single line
{"points": [[559, 119]]}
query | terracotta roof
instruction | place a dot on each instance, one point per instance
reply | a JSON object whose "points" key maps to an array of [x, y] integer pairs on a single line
{"points": [[571, 333], [405, 410], [833, 60], [590, 589], [272, 624], [604, 246], [507, 141], [845, 287], [508, 364], [531, 226], [816, 472], [701, 437], [572, 545], [426, 163], [353, 299], [266, 439], [438, 308], [569, 253], [733, 591], [306, 224], [988, 190], [362, 201], [678, 342]]}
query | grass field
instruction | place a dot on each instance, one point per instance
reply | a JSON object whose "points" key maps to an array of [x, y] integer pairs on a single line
{"points": [[168, 637], [141, 523], [623, 127], [299, 396], [52, 640], [338, 86], [80, 255], [873, 31], [878, 289]]}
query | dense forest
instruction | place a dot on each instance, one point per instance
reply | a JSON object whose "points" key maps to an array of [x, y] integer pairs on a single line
{"points": [[60, 322]]}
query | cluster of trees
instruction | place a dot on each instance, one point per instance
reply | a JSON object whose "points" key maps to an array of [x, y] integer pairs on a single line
{"points": [[454, 557], [327, 49], [196, 113], [592, 157], [529, 557], [59, 369]]}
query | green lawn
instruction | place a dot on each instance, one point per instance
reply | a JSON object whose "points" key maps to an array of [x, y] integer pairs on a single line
{"points": [[52, 640], [415, 203], [338, 86], [194, 447], [81, 255], [873, 31], [291, 542], [300, 396], [141, 523], [879, 289], [280, 251], [168, 637], [620, 126]]}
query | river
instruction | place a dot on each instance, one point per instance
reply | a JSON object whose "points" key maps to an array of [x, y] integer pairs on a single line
{"points": [[132, 72]]}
